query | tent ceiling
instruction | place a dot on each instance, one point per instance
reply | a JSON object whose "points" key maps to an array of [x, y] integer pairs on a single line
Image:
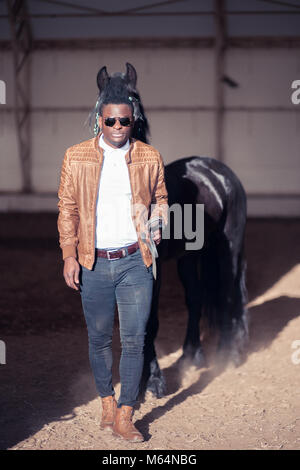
{"points": [[78, 19]]}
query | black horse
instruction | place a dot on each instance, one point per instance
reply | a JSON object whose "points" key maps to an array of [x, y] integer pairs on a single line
{"points": [[213, 275]]}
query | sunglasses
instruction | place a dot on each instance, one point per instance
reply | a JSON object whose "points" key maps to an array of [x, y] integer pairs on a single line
{"points": [[125, 121]]}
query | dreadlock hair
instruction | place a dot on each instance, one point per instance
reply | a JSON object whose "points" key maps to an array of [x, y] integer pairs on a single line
{"points": [[120, 89]]}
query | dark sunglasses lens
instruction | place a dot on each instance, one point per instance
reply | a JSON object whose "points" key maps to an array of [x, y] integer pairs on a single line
{"points": [[125, 122], [109, 122]]}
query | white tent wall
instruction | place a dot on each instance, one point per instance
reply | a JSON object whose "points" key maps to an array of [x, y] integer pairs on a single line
{"points": [[261, 144]]}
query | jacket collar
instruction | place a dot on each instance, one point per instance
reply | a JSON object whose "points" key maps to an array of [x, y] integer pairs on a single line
{"points": [[100, 149], [110, 149]]}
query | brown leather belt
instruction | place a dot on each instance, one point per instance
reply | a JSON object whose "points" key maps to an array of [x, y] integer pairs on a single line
{"points": [[118, 252]]}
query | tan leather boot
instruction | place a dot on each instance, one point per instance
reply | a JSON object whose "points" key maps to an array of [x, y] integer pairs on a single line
{"points": [[123, 426], [109, 407]]}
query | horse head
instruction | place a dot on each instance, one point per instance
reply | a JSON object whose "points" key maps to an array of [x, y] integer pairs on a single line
{"points": [[122, 84]]}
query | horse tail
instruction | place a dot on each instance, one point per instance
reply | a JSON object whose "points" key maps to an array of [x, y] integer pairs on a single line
{"points": [[242, 322], [214, 285], [214, 294]]}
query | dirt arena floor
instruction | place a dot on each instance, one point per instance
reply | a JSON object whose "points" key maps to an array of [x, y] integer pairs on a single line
{"points": [[48, 398]]}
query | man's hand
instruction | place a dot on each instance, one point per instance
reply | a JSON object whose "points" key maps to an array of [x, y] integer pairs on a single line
{"points": [[157, 236], [71, 272], [155, 230]]}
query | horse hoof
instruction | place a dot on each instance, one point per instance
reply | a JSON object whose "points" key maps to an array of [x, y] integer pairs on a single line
{"points": [[229, 357], [195, 358], [157, 386]]}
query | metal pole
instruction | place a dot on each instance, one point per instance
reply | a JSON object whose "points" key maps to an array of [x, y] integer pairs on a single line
{"points": [[22, 46], [220, 46]]}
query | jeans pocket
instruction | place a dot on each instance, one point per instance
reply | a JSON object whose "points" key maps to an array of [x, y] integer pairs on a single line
{"points": [[150, 270]]}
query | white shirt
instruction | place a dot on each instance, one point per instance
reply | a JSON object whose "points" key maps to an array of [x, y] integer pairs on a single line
{"points": [[114, 225]]}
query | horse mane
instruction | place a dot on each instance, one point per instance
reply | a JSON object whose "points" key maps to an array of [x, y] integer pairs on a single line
{"points": [[120, 88]]}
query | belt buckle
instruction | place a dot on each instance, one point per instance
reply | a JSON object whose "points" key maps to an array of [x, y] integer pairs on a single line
{"points": [[117, 249], [111, 251]]}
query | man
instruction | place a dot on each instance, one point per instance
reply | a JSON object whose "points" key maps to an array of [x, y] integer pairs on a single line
{"points": [[112, 190]]}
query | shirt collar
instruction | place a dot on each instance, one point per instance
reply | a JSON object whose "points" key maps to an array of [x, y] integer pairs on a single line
{"points": [[108, 148]]}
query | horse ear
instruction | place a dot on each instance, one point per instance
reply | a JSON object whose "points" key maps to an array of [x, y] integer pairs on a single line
{"points": [[102, 78], [131, 75]]}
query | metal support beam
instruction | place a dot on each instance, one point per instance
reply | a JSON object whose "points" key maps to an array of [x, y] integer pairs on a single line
{"points": [[242, 42], [220, 47], [22, 47], [166, 109]]}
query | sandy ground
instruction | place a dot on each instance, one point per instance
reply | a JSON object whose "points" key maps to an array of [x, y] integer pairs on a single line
{"points": [[48, 399]]}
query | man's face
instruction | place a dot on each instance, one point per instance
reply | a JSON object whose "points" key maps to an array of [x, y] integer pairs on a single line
{"points": [[117, 135]]}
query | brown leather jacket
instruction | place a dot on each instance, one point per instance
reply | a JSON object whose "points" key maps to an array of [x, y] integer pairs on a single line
{"points": [[78, 190]]}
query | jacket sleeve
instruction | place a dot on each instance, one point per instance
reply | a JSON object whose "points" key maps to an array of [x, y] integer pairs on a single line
{"points": [[159, 202], [68, 217]]}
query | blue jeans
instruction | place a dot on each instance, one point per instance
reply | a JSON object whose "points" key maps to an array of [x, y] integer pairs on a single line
{"points": [[129, 283]]}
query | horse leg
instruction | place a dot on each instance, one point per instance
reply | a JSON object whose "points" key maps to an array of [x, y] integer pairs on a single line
{"points": [[152, 377], [233, 314], [187, 267], [239, 338]]}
